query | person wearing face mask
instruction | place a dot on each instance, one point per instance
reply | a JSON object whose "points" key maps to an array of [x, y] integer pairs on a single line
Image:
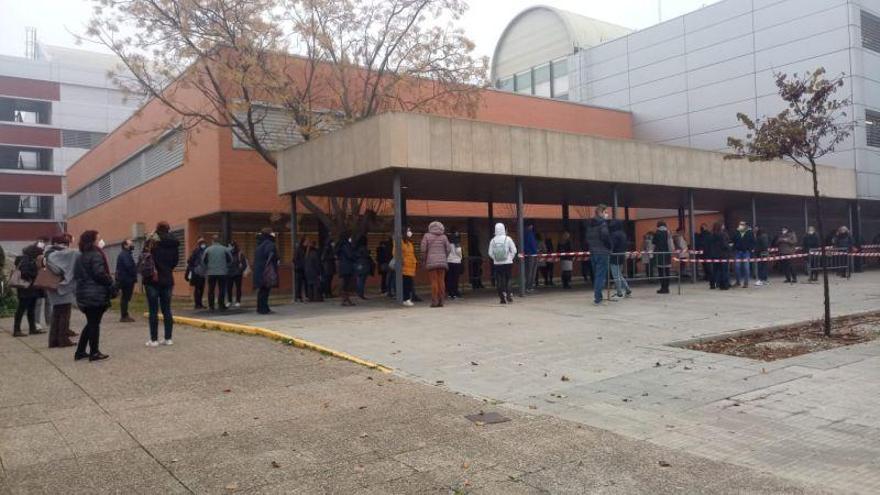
{"points": [[94, 289], [61, 260], [163, 248], [42, 309], [435, 249], [566, 263], [530, 250], [502, 252], [265, 269], [743, 245], [762, 251], [347, 258], [599, 240], [845, 244], [328, 271], [664, 246], [787, 244], [195, 272], [812, 243], [408, 266], [126, 278]]}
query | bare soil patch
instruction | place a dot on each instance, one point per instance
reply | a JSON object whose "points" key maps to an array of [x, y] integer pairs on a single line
{"points": [[794, 340]]}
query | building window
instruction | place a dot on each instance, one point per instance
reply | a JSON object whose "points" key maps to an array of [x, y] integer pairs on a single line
{"points": [[25, 111], [146, 165], [505, 84], [871, 31], [872, 124], [542, 81], [523, 82], [25, 207], [81, 139], [19, 158], [560, 78]]}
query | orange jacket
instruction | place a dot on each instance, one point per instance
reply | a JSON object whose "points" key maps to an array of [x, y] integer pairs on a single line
{"points": [[409, 258]]}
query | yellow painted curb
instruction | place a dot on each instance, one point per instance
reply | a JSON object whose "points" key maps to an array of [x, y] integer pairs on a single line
{"points": [[277, 336]]}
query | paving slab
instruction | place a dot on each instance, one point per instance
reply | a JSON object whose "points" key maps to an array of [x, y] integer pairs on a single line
{"points": [[614, 354]]}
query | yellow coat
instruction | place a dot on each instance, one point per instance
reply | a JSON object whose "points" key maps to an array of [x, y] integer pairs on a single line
{"points": [[409, 258]]}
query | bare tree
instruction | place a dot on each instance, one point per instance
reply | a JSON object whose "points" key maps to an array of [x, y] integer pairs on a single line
{"points": [[812, 126], [279, 72]]}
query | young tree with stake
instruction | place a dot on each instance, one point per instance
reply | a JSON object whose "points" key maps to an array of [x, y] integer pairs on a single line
{"points": [[812, 126]]}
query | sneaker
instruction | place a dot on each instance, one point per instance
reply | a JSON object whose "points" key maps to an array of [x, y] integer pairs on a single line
{"points": [[237, 305], [39, 328], [126, 319], [98, 356], [168, 342], [152, 343], [759, 283], [408, 303]]}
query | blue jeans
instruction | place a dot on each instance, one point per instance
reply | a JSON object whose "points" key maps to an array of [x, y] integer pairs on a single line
{"points": [[361, 285], [159, 297], [620, 283], [600, 275], [743, 260]]}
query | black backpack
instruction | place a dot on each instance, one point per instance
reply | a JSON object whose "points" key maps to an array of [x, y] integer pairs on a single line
{"points": [[146, 267]]}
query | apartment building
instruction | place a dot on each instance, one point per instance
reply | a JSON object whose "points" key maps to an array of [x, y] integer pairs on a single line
{"points": [[54, 106]]}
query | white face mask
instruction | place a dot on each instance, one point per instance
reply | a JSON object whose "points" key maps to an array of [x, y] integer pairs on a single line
{"points": [[408, 234], [101, 243], [41, 244]]}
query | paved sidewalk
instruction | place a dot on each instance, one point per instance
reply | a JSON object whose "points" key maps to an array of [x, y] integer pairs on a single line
{"points": [[222, 413], [813, 418]]}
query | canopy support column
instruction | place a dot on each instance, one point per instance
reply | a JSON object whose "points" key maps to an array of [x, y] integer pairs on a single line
{"points": [[398, 236], [693, 221], [521, 227], [293, 243]]}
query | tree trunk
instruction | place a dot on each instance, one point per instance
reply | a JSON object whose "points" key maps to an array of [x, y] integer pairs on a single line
{"points": [[825, 289]]}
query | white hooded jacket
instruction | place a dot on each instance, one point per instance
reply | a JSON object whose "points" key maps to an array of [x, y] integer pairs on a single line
{"points": [[501, 238]]}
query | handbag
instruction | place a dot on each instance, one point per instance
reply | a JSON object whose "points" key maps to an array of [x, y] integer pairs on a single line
{"points": [[16, 281], [270, 276], [47, 279]]}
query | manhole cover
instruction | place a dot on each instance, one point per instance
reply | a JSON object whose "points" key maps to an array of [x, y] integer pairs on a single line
{"points": [[490, 418]]}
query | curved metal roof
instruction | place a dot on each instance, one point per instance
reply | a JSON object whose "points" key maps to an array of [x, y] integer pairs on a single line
{"points": [[581, 31]]}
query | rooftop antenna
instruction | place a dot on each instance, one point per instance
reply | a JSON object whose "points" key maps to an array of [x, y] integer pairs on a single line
{"points": [[30, 42]]}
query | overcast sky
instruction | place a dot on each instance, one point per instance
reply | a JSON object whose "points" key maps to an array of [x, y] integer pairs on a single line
{"points": [[55, 20]]}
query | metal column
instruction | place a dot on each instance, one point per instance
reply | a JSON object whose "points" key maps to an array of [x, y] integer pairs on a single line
{"points": [[293, 243], [565, 216], [226, 227], [806, 217], [521, 226], [398, 236], [692, 220], [491, 220], [754, 213], [614, 202], [849, 212]]}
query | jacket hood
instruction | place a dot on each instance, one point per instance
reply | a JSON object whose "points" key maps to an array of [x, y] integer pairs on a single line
{"points": [[499, 229], [436, 227]]}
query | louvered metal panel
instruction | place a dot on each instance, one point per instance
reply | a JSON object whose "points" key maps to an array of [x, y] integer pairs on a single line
{"points": [[872, 124], [80, 139], [871, 31]]}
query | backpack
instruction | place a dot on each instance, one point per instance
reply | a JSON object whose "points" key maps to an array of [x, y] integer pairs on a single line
{"points": [[146, 267], [499, 251]]}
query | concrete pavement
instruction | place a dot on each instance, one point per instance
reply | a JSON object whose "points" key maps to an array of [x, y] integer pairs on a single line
{"points": [[223, 413], [813, 418]]}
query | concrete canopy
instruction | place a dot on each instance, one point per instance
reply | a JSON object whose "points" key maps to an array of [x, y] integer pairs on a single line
{"points": [[440, 158]]}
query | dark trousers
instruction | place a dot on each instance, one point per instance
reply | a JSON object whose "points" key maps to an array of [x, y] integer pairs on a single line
{"points": [[664, 273], [233, 287], [159, 298], [299, 284], [91, 333], [721, 274], [475, 269], [263, 300], [452, 276], [407, 288], [217, 282], [125, 292], [26, 305], [549, 268], [198, 284], [60, 326], [502, 280], [362, 285], [566, 279], [788, 270], [600, 275], [327, 284], [385, 280], [707, 273], [313, 290]]}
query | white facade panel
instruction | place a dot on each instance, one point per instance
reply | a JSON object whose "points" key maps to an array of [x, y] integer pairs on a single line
{"points": [[716, 140], [805, 49], [606, 51], [661, 108], [777, 13], [656, 34], [662, 130], [722, 53], [734, 90], [660, 51], [604, 69], [713, 15], [659, 88], [720, 117], [655, 72], [799, 29], [619, 99], [724, 31], [608, 85], [710, 74]]}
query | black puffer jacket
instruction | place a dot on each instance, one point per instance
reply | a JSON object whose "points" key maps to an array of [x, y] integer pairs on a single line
{"points": [[93, 280], [598, 237], [166, 256]]}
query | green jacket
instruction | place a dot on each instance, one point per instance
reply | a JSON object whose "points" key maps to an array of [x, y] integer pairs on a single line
{"points": [[217, 260]]}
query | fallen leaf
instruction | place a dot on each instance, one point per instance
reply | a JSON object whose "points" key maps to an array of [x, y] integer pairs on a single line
{"points": [[664, 464], [224, 434], [275, 464], [687, 368], [533, 406], [657, 364], [174, 460], [226, 391], [369, 378], [565, 378], [232, 487], [465, 465], [644, 394], [474, 363], [625, 399], [359, 469], [364, 435]]}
